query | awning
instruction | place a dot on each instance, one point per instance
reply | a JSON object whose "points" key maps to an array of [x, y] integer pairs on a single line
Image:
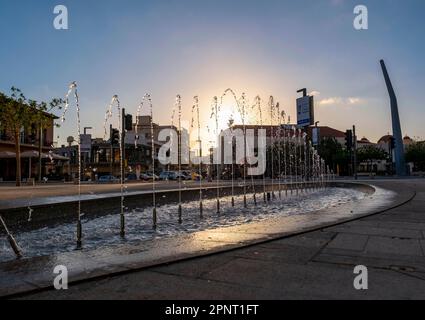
{"points": [[35, 154], [7, 155]]}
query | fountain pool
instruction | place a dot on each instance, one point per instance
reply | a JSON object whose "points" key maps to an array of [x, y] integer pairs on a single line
{"points": [[104, 231]]}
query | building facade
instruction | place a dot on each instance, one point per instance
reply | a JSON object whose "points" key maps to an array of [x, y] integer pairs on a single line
{"points": [[31, 141]]}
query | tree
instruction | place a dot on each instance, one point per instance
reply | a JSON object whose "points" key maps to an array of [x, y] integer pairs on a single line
{"points": [[371, 153], [416, 153], [15, 116], [333, 154], [43, 119]]}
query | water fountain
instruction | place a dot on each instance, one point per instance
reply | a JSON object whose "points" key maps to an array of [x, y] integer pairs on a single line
{"points": [[14, 245], [272, 110], [215, 109], [279, 145], [300, 160], [285, 162], [290, 155], [242, 109], [258, 106], [179, 154], [242, 112], [305, 180], [317, 169], [173, 115], [108, 115], [73, 88], [294, 158], [309, 147], [230, 124], [195, 108], [147, 99], [301, 164]]}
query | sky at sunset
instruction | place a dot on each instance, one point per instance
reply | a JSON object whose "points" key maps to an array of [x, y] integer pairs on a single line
{"points": [[202, 47]]}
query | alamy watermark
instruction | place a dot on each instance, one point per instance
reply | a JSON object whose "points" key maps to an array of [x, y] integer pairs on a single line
{"points": [[361, 281], [234, 146], [361, 20], [60, 282], [60, 22]]}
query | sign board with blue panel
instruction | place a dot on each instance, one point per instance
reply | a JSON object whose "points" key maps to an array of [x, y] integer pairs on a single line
{"points": [[305, 111]]}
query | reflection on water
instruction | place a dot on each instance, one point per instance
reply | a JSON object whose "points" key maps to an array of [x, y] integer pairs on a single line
{"points": [[105, 231]]}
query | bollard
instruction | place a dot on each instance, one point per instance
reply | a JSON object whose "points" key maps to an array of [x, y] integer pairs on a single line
{"points": [[233, 202], [79, 234], [180, 214], [201, 210], [154, 218], [218, 206], [255, 199], [122, 233]]}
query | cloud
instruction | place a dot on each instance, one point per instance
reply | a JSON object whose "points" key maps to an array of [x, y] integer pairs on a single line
{"points": [[314, 93], [352, 100], [330, 101], [340, 101]]}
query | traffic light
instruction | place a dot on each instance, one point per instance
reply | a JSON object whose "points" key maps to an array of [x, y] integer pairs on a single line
{"points": [[128, 122], [115, 136], [349, 140]]}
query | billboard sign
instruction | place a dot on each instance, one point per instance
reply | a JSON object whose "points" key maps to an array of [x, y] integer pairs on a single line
{"points": [[305, 111], [85, 141], [315, 136]]}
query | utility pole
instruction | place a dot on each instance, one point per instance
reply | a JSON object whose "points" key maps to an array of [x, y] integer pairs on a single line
{"points": [[349, 147], [355, 153], [112, 149], [123, 128]]}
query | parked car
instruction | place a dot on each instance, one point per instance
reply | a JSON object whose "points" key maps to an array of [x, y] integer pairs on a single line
{"points": [[131, 177], [183, 176], [148, 176], [108, 179], [168, 175]]}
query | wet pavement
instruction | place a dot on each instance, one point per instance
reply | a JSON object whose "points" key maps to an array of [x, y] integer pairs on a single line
{"points": [[105, 265], [15, 197]]}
